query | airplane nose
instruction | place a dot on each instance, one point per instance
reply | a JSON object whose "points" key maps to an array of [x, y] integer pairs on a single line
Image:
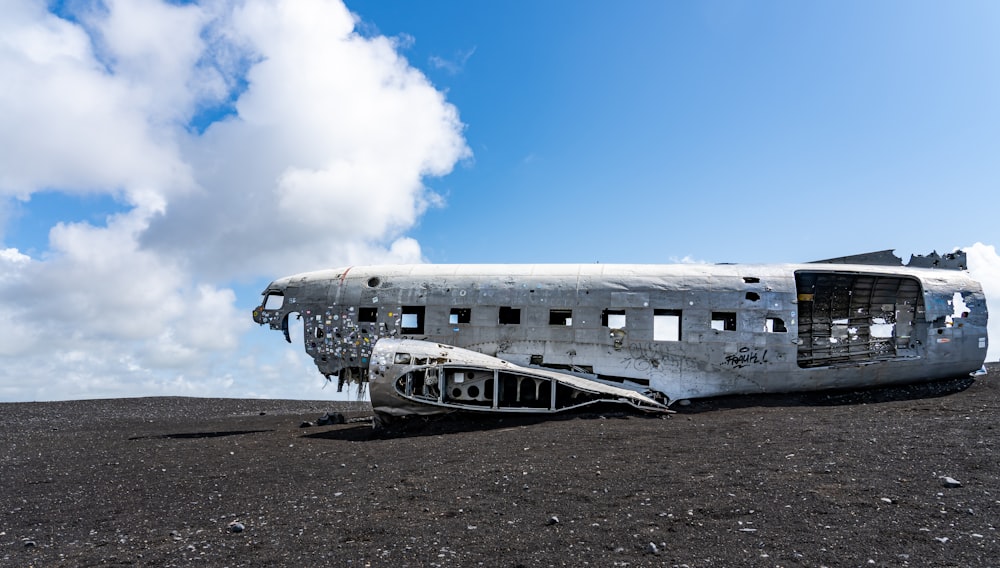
{"points": [[269, 310]]}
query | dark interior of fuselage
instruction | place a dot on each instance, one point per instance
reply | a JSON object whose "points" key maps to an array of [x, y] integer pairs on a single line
{"points": [[847, 318], [487, 388]]}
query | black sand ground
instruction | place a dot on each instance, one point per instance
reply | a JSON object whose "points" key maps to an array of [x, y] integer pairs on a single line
{"points": [[851, 479]]}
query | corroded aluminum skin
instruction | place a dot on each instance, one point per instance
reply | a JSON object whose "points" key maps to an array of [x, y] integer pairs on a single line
{"points": [[704, 362]]}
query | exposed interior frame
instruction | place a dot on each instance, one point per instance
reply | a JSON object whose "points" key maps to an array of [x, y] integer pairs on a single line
{"points": [[849, 318], [470, 387]]}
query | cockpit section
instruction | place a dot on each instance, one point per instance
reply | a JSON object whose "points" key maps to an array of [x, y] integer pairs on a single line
{"points": [[339, 338]]}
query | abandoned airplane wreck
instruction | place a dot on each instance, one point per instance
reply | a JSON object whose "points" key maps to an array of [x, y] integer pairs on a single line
{"points": [[430, 339]]}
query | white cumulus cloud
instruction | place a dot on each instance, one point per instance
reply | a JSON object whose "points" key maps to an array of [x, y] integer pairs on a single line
{"points": [[67, 121], [325, 158], [984, 266], [246, 138]]}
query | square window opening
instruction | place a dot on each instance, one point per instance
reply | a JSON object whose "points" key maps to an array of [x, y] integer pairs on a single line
{"points": [[412, 320], [560, 317], [615, 319], [724, 321], [666, 325], [509, 316], [460, 315]]}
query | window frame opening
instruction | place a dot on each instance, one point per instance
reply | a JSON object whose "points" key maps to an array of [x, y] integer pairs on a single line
{"points": [[723, 321], [414, 315], [667, 325], [561, 317], [460, 315], [610, 317], [508, 315], [273, 301]]}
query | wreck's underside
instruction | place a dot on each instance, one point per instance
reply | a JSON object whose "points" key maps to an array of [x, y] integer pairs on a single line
{"points": [[549, 338]]}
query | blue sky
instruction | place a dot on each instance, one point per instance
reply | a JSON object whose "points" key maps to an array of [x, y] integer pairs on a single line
{"points": [[645, 132], [165, 160]]}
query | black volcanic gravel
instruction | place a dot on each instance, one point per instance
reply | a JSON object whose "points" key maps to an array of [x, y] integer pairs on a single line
{"points": [[821, 479]]}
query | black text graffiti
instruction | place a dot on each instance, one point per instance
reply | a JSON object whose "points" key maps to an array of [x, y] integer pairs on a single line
{"points": [[746, 357]]}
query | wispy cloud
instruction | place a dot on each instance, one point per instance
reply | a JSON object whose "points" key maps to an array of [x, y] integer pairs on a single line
{"points": [[687, 259], [455, 64]]}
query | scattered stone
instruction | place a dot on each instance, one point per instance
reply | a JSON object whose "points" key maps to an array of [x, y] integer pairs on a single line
{"points": [[306, 424], [236, 527], [596, 518], [331, 418], [684, 402], [941, 539], [950, 481]]}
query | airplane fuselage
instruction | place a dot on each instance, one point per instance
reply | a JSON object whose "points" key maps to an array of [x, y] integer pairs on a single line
{"points": [[672, 331]]}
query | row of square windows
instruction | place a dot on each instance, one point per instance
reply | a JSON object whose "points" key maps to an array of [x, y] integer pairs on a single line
{"points": [[666, 323]]}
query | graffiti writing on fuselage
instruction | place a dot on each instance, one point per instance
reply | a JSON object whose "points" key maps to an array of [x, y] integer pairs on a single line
{"points": [[646, 358], [746, 357]]}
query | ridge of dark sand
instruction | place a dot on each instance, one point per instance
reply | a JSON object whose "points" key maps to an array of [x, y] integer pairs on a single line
{"points": [[820, 479]]}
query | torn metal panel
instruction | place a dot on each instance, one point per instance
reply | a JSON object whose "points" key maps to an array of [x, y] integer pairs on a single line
{"points": [[878, 258], [670, 331], [949, 261], [412, 377]]}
